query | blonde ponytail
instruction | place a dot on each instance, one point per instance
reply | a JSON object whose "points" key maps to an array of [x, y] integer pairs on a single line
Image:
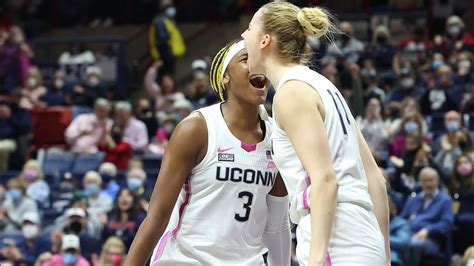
{"points": [[314, 21]]}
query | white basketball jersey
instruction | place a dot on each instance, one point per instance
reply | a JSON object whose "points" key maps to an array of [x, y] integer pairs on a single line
{"points": [[221, 213], [343, 143]]}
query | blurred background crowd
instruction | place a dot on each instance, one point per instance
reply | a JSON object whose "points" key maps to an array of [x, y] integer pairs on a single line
{"points": [[90, 95]]}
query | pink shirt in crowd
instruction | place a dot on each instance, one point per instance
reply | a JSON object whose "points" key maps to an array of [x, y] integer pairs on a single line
{"points": [[57, 260], [85, 133]]}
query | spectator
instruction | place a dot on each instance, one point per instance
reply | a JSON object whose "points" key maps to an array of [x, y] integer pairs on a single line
{"points": [[462, 180], [76, 219], [347, 44], [449, 143], [199, 91], [99, 203], [85, 93], [415, 46], [125, 218], [430, 217], [374, 128], [37, 189], [438, 100], [381, 51], [144, 112], [113, 253], [468, 257], [33, 90], [456, 34], [464, 68], [117, 150], [182, 108], [465, 142], [407, 87], [108, 172], [15, 206], [412, 124], [87, 130], [164, 94], [370, 79], [396, 197], [163, 134], [400, 235], [70, 253], [408, 106], [57, 94], [165, 40], [7, 135], [32, 243], [136, 184], [135, 131], [467, 104]]}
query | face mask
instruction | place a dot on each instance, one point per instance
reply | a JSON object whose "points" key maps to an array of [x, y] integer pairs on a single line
{"points": [[106, 178], [464, 169], [75, 227], [91, 190], [30, 175], [134, 183], [30, 231], [470, 262], [115, 260], [14, 194], [178, 117], [59, 83], [31, 82], [170, 12], [169, 128], [69, 258], [117, 137], [437, 63], [464, 64], [407, 83], [381, 39], [410, 127], [454, 31], [93, 81], [452, 126]]}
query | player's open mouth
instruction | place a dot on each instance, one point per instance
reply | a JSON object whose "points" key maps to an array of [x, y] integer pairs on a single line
{"points": [[258, 81]]}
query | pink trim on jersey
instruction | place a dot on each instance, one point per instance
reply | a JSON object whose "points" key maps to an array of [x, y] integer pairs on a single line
{"points": [[305, 199], [164, 240], [161, 246], [248, 147], [187, 190], [328, 260]]}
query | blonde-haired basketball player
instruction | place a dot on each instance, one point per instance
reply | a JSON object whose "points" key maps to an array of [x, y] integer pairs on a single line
{"points": [[230, 204], [316, 141]]}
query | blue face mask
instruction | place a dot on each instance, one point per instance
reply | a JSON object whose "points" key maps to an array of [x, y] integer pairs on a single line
{"points": [[453, 126], [134, 184], [437, 63], [91, 189], [410, 127], [14, 194], [69, 258]]}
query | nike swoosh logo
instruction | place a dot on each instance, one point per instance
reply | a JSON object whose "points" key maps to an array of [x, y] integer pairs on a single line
{"points": [[219, 150]]}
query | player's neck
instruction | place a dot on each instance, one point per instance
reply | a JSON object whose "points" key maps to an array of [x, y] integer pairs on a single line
{"points": [[240, 115], [275, 69]]}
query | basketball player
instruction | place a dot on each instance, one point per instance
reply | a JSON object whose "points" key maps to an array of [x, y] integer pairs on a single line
{"points": [[316, 141], [232, 201]]}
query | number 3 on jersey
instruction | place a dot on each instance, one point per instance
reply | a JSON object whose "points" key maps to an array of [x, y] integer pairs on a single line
{"points": [[339, 111], [247, 204]]}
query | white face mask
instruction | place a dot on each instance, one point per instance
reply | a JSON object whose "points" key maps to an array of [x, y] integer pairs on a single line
{"points": [[170, 12], [30, 231], [93, 81], [407, 83], [470, 262], [31, 82], [59, 83]]}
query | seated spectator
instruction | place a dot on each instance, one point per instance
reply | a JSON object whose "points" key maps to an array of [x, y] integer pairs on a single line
{"points": [[125, 218], [430, 217], [135, 131], [89, 224], [448, 145], [464, 75], [370, 79], [163, 134], [113, 253], [117, 149], [110, 187], [396, 197], [87, 130], [37, 189], [57, 94], [15, 206], [462, 180], [374, 128], [400, 235], [407, 87], [136, 183], [347, 45], [85, 94], [145, 113], [465, 142], [381, 51], [165, 93], [31, 245], [33, 90], [199, 91], [70, 253], [457, 36], [99, 203], [468, 256], [7, 135], [439, 99], [412, 124], [182, 108], [408, 106]]}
